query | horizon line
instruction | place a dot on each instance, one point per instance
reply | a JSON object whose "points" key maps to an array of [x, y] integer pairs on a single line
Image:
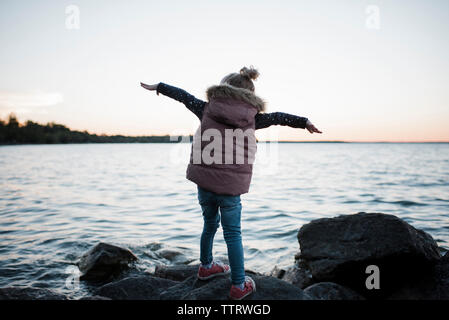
{"points": [[266, 141]]}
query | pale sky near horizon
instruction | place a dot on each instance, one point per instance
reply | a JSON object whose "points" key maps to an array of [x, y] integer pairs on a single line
{"points": [[356, 77]]}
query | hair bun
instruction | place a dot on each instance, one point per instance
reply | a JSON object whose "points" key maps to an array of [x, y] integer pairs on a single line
{"points": [[250, 73]]}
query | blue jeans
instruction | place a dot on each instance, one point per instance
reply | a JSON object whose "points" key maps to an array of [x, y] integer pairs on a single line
{"points": [[230, 209]]}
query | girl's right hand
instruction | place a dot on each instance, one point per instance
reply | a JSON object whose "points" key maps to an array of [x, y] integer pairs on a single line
{"points": [[311, 127], [150, 87]]}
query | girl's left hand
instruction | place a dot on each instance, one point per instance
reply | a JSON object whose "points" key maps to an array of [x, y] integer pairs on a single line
{"points": [[311, 127], [150, 87]]}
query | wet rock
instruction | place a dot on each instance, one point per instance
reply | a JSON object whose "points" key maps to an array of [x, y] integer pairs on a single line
{"points": [[295, 275], [331, 291], [277, 272], [299, 277], [177, 272], [340, 249], [29, 293], [135, 288], [174, 256], [154, 246], [103, 261]]}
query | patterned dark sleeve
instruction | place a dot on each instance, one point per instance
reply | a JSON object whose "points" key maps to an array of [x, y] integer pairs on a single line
{"points": [[264, 120], [193, 104]]}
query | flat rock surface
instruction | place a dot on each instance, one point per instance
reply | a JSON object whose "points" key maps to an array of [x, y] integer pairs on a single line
{"points": [[267, 288], [331, 291]]}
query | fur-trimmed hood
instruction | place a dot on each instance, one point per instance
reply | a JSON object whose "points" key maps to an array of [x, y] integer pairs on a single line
{"points": [[228, 91]]}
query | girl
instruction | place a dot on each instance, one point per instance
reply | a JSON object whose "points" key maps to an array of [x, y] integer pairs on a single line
{"points": [[232, 105]]}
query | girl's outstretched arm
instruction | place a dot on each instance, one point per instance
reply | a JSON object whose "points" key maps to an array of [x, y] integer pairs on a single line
{"points": [[193, 104], [265, 120]]}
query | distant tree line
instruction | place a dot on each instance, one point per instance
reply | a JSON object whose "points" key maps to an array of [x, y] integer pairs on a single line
{"points": [[12, 132]]}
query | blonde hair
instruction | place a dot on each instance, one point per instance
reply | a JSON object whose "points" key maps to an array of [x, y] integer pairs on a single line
{"points": [[243, 79]]}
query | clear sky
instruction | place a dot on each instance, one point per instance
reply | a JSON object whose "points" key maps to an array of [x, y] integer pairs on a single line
{"points": [[359, 70]]}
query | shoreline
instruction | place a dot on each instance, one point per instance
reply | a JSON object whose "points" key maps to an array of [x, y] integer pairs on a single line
{"points": [[337, 257]]}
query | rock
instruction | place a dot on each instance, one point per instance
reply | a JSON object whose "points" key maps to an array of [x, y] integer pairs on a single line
{"points": [[214, 289], [135, 288], [182, 289], [295, 275], [277, 272], [174, 256], [29, 293], [178, 291], [299, 277], [433, 285], [267, 288], [331, 291], [94, 298], [177, 272], [339, 249], [297, 256], [103, 261]]}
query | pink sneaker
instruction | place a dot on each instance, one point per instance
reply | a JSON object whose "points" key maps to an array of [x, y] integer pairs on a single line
{"points": [[238, 294], [218, 268]]}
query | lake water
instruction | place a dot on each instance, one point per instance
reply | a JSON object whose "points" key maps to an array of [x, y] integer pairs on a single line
{"points": [[56, 201]]}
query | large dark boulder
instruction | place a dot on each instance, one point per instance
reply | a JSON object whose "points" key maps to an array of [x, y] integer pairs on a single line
{"points": [[340, 249], [433, 285], [331, 291], [29, 293], [144, 287], [104, 261]]}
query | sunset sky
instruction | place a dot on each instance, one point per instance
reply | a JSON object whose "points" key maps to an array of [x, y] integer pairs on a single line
{"points": [[359, 70]]}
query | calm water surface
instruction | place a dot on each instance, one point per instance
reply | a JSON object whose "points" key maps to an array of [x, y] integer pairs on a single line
{"points": [[56, 201]]}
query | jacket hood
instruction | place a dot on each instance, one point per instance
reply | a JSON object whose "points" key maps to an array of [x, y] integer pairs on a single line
{"points": [[244, 95], [233, 106]]}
